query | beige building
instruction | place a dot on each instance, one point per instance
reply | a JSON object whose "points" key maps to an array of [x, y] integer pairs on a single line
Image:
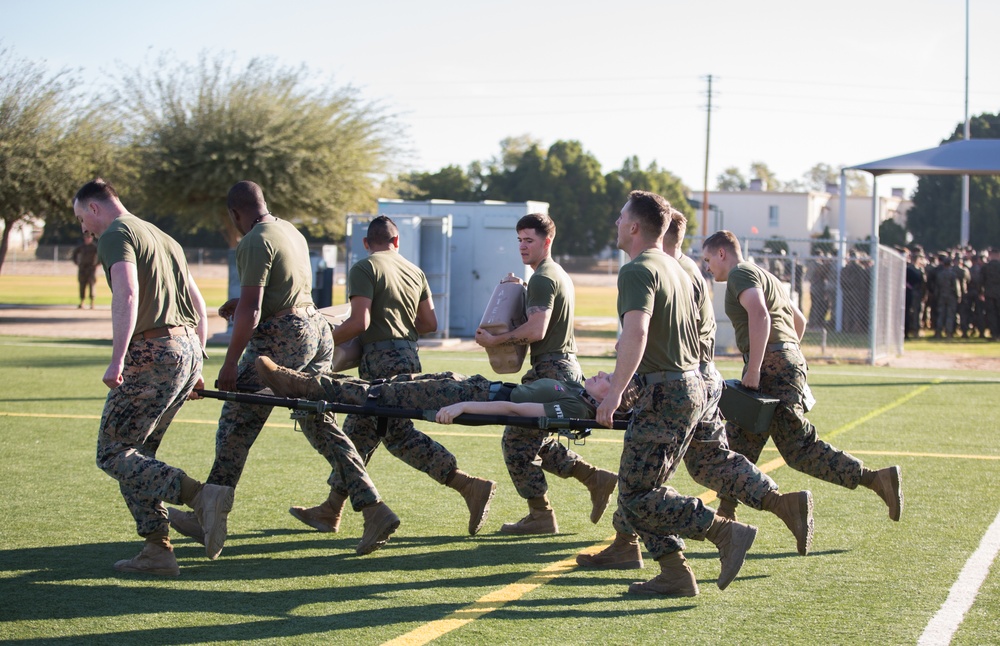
{"points": [[797, 216]]}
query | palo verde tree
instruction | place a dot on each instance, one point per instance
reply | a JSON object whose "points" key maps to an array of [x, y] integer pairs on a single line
{"points": [[317, 150], [50, 140]]}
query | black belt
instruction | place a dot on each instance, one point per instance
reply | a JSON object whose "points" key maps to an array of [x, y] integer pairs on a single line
{"points": [[774, 347], [500, 391], [662, 376], [160, 332], [394, 344], [551, 356], [299, 310]]}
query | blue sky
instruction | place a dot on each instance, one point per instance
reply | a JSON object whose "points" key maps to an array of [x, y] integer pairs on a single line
{"points": [[796, 83]]}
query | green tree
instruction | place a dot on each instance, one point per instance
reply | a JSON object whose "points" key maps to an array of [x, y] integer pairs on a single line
{"points": [[935, 218], [51, 139], [769, 182], [891, 233], [820, 246], [731, 179], [316, 149], [632, 176], [819, 176], [570, 180], [449, 183]]}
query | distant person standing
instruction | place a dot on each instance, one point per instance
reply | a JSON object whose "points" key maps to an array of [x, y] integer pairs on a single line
{"points": [[85, 258], [391, 304], [548, 331], [160, 326]]}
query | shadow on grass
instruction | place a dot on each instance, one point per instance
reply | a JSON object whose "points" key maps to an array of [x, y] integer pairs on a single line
{"points": [[77, 582]]}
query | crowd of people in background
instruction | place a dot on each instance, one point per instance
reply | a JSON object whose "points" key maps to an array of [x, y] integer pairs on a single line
{"points": [[952, 293]]}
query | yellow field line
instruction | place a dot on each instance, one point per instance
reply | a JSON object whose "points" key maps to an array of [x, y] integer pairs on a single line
{"points": [[508, 594], [878, 411]]}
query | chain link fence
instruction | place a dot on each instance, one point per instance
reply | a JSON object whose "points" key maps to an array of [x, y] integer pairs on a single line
{"points": [[854, 310]]}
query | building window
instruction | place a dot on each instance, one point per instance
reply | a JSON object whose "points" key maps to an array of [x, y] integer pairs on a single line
{"points": [[772, 216]]}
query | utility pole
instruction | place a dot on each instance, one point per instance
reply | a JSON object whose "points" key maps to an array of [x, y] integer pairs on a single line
{"points": [[963, 238], [708, 138]]}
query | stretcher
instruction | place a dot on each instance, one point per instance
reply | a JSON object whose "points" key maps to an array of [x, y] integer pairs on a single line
{"points": [[574, 428]]}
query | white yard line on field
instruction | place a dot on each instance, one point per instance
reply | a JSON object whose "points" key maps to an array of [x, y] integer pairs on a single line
{"points": [[945, 623]]}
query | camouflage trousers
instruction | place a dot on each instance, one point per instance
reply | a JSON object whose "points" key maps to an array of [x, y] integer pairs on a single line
{"points": [[304, 344], [662, 425], [947, 314], [783, 376], [157, 378], [332, 443], [402, 439], [527, 452]]}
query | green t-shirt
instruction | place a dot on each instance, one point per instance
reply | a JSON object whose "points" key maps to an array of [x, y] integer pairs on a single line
{"points": [[551, 288], [747, 275], [706, 312], [275, 256], [396, 287], [164, 299], [656, 284], [560, 399]]}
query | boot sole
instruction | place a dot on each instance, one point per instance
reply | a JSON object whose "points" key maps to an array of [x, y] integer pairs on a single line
{"points": [[803, 541], [740, 545], [215, 535], [476, 524], [157, 572], [597, 512], [385, 529], [895, 480], [297, 513], [518, 532], [620, 565], [638, 588], [172, 512]]}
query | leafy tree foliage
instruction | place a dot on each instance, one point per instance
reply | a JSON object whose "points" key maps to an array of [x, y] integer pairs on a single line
{"points": [[449, 183], [50, 138], [819, 176], [891, 233], [731, 179], [935, 219], [316, 149], [632, 176]]}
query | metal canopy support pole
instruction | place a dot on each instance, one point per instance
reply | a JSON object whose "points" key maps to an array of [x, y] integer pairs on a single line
{"points": [[873, 295], [838, 310]]}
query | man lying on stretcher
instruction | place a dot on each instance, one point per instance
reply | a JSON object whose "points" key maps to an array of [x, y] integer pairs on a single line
{"points": [[451, 393]]}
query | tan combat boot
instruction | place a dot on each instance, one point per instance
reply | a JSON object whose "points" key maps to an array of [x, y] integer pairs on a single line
{"points": [[288, 383], [674, 580], [380, 522], [600, 482], [186, 523], [324, 517], [477, 493], [733, 540], [623, 554], [727, 508], [211, 506], [887, 485], [541, 519], [796, 511], [157, 557]]}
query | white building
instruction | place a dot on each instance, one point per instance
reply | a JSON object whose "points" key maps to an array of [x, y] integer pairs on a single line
{"points": [[797, 216]]}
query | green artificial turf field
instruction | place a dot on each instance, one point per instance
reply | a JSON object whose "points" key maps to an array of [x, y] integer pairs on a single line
{"points": [[868, 580]]}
